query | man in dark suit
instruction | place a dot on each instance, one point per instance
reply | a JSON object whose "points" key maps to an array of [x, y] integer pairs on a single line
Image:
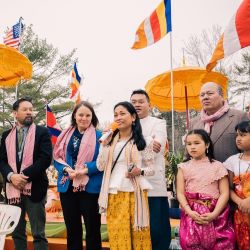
{"points": [[25, 154], [218, 120]]}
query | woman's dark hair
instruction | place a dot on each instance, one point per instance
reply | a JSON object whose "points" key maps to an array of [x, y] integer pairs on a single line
{"points": [[243, 127], [207, 140], [94, 120], [136, 126]]}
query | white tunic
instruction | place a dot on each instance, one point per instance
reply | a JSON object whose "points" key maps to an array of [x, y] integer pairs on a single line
{"points": [[118, 180], [154, 128]]}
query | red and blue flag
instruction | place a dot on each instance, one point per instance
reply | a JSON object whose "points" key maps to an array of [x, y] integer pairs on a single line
{"points": [[52, 125]]}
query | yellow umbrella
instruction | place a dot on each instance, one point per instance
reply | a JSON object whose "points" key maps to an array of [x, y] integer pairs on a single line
{"points": [[187, 84], [14, 66]]}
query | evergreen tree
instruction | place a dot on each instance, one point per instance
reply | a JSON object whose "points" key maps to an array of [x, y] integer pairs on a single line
{"points": [[50, 70], [240, 84]]}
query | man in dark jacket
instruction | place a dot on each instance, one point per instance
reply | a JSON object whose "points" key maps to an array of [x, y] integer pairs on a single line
{"points": [[25, 154]]}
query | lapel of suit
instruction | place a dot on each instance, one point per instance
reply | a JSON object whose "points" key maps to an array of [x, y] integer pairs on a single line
{"points": [[220, 126]]}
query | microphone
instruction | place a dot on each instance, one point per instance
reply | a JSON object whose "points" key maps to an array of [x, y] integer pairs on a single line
{"points": [[113, 126]]}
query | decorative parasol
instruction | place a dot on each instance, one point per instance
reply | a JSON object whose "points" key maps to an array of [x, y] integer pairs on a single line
{"points": [[187, 84], [14, 67]]}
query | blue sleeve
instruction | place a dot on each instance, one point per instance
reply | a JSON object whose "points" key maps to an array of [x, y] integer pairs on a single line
{"points": [[58, 166], [92, 168]]}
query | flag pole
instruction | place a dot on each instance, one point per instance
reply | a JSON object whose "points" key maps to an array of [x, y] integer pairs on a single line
{"points": [[19, 48], [46, 115], [172, 88], [20, 81], [3, 108]]}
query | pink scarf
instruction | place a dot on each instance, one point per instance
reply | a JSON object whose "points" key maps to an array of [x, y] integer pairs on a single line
{"points": [[85, 154], [209, 119], [14, 194]]}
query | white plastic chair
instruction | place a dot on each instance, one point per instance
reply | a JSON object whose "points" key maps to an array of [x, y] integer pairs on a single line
{"points": [[9, 218]]}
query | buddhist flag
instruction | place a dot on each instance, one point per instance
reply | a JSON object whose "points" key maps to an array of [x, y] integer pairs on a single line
{"points": [[52, 125], [154, 27], [235, 37], [75, 81], [78, 99]]}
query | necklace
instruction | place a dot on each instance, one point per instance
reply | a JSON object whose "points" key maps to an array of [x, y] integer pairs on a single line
{"points": [[240, 157]]}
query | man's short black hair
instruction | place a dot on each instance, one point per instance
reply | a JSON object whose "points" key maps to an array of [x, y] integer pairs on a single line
{"points": [[140, 92], [16, 104]]}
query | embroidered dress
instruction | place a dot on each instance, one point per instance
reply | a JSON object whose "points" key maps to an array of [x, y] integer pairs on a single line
{"points": [[202, 192], [241, 180], [120, 217]]}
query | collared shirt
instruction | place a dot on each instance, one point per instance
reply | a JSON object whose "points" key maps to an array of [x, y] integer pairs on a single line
{"points": [[21, 147], [21, 143]]}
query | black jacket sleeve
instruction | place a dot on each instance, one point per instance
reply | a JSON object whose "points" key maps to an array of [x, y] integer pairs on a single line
{"points": [[5, 168]]}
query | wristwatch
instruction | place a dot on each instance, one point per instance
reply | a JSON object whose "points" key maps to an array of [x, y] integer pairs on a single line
{"points": [[142, 172]]}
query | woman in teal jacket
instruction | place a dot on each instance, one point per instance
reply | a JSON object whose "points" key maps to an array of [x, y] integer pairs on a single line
{"points": [[79, 180]]}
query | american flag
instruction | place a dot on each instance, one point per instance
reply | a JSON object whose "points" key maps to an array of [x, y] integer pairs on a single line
{"points": [[12, 38]]}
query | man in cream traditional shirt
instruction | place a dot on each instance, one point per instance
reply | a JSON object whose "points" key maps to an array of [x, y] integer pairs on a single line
{"points": [[158, 202]]}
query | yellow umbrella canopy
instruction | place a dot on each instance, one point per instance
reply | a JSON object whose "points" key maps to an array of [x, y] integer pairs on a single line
{"points": [[13, 67], [159, 88]]}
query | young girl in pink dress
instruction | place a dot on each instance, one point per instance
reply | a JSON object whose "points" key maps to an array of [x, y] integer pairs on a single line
{"points": [[203, 193]]}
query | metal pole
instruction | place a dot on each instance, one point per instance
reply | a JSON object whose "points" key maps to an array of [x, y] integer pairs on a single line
{"points": [[172, 90], [19, 48], [244, 97], [17, 89], [20, 33], [3, 109], [187, 111], [46, 115]]}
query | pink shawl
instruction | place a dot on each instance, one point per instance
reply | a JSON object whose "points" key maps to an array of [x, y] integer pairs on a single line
{"points": [[85, 154], [13, 194], [209, 119]]}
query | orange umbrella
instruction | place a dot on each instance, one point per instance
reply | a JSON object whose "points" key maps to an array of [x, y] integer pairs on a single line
{"points": [[187, 84], [159, 88], [14, 66]]}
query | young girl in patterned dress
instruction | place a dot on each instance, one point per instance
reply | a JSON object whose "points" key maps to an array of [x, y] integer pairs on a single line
{"points": [[203, 193], [239, 177]]}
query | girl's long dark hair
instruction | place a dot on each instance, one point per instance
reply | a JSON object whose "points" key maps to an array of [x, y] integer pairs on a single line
{"points": [[136, 126], [206, 138]]}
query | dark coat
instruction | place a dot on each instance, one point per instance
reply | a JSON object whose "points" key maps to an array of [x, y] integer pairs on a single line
{"points": [[42, 157]]}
